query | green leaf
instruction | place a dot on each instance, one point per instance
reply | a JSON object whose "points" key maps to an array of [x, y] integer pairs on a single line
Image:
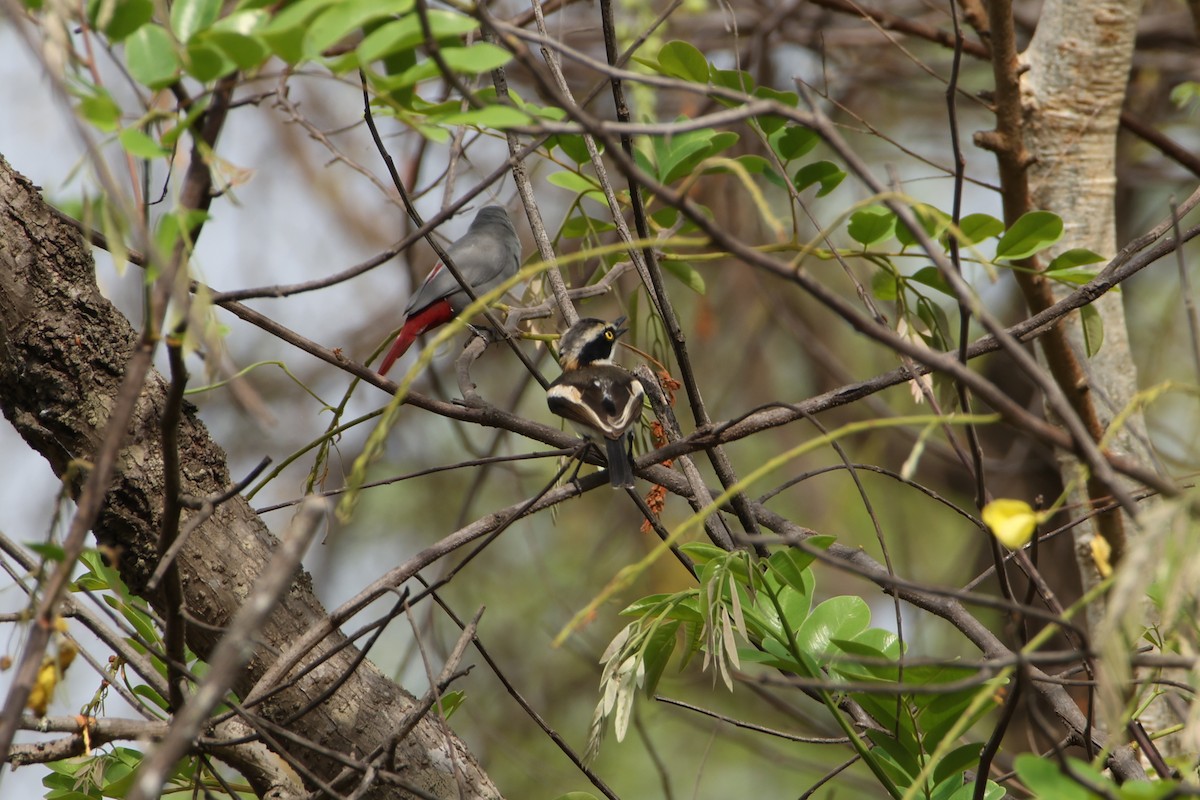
{"points": [[155, 699], [119, 18], [934, 317], [751, 162], [449, 702], [686, 274], [237, 36], [769, 122], [288, 44], [1148, 790], [931, 277], [151, 57], [476, 59], [883, 640], [1046, 780], [790, 566], [828, 174], [1074, 277], [295, 14], [665, 218], [782, 97], [189, 17], [410, 76], [390, 37], [755, 165], [48, 552], [247, 22], [99, 108], [1185, 94], [1075, 257], [794, 608], [174, 228], [955, 788], [933, 222], [898, 754], [207, 62], [683, 60], [977, 227], [679, 155], [674, 154], [247, 52], [942, 712], [871, 225], [574, 147], [680, 606], [702, 552], [341, 19], [1093, 330], [841, 617], [884, 286], [1066, 267], [739, 80], [643, 156], [1033, 232], [405, 33], [577, 183], [854, 669], [140, 145], [580, 225], [103, 573], [793, 141], [896, 775], [497, 117], [118, 778], [656, 653], [137, 619], [992, 791], [957, 761]]}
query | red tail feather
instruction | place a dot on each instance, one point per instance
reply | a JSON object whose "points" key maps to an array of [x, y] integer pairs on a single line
{"points": [[431, 316]]}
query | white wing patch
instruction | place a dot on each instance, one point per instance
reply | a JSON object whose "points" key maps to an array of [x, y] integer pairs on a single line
{"points": [[564, 392]]}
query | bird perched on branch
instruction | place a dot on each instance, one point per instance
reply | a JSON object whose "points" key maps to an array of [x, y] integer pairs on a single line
{"points": [[487, 255], [601, 400]]}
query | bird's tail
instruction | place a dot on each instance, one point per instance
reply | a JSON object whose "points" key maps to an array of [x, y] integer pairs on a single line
{"points": [[429, 317], [399, 347], [620, 469]]}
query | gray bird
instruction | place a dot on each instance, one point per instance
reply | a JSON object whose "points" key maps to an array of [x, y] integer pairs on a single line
{"points": [[601, 400], [487, 255]]}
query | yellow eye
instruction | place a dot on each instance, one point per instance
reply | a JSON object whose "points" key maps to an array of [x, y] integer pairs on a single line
{"points": [[608, 334]]}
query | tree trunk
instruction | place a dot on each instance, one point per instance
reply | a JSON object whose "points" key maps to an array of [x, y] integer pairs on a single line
{"points": [[63, 350], [1079, 62]]}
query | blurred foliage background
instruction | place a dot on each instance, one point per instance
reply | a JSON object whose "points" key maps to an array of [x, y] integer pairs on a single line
{"points": [[307, 196]]}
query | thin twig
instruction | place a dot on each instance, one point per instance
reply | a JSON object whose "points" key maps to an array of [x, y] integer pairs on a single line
{"points": [[172, 509]]}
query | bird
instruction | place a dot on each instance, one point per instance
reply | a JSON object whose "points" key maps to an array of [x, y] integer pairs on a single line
{"points": [[601, 400], [487, 255]]}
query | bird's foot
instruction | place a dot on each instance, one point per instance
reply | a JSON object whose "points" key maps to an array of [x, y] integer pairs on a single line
{"points": [[485, 332]]}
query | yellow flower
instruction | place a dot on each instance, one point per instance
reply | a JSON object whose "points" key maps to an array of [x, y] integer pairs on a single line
{"points": [[1012, 522], [1102, 555], [51, 671]]}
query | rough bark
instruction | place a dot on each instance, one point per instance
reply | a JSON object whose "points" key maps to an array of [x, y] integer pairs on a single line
{"points": [[63, 348]]}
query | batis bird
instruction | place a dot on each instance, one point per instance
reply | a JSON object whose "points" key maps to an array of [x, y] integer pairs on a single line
{"points": [[601, 400]]}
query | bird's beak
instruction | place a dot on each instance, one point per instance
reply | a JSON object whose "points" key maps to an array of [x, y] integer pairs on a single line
{"points": [[618, 323]]}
